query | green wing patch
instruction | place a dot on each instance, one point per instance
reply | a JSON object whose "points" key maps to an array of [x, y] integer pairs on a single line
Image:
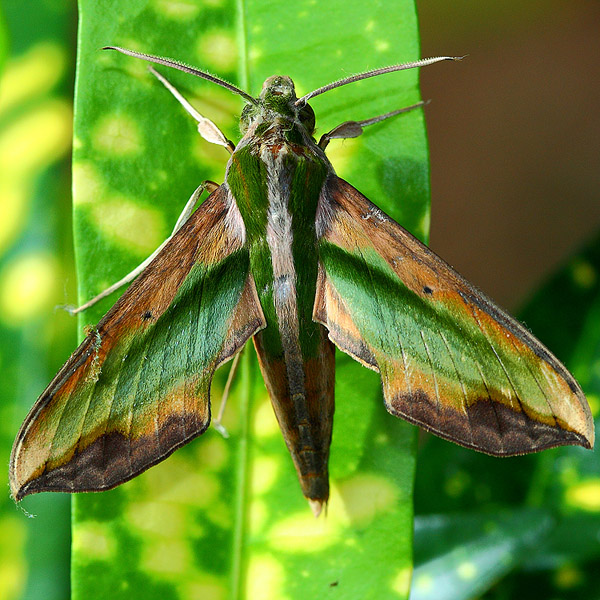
{"points": [[138, 386], [450, 360]]}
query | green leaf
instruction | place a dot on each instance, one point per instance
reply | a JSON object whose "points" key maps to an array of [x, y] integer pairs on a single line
{"points": [[225, 518], [459, 556]]}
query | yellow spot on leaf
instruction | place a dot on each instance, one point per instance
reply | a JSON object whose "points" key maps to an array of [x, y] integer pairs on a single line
{"points": [[567, 576], [382, 45], [91, 540], [264, 474], [584, 495], [156, 517], [218, 50], [87, 183], [12, 577], [204, 587], [35, 140], [213, 453], [198, 488], [180, 481], [32, 140], [180, 10], [265, 423], [467, 570], [28, 287], [370, 25], [32, 74], [255, 54], [129, 225], [258, 515], [117, 135], [264, 578], [366, 496], [219, 513], [401, 583], [168, 557], [303, 533]]}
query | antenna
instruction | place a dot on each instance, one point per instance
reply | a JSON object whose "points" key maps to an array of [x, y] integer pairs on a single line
{"points": [[169, 62], [391, 69]]}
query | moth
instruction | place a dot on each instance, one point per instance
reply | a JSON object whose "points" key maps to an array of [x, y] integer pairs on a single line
{"points": [[287, 253]]}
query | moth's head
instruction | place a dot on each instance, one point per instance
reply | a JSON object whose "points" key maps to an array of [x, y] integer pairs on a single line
{"points": [[278, 99]]}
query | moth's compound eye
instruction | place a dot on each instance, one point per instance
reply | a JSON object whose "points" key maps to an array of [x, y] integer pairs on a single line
{"points": [[307, 118], [246, 117]]}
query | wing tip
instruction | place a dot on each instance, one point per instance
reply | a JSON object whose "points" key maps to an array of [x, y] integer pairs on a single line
{"points": [[588, 438], [18, 490]]}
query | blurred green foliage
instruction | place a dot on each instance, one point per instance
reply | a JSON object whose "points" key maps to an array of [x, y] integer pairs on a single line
{"points": [[549, 545], [36, 87]]}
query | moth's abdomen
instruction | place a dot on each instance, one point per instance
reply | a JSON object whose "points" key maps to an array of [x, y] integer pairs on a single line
{"points": [[302, 395]]}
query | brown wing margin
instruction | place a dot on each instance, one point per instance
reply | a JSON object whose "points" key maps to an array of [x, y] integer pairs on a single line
{"points": [[138, 386]]}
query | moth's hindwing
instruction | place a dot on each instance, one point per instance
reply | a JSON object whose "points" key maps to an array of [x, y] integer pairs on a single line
{"points": [[450, 360]]}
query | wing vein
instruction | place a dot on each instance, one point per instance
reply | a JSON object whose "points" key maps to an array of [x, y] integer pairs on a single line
{"points": [[487, 339], [537, 383], [380, 314], [435, 382], [462, 385], [60, 425], [492, 404]]}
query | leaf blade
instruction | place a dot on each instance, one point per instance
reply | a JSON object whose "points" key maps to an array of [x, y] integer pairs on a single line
{"points": [[207, 493]]}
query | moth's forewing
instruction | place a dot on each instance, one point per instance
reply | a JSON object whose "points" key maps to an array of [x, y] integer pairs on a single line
{"points": [[450, 360], [138, 386]]}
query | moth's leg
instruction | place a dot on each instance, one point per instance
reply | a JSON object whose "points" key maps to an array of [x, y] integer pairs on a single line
{"points": [[352, 129], [211, 186], [211, 133], [206, 128], [217, 422]]}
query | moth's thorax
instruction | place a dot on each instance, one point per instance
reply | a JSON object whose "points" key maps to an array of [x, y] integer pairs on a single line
{"points": [[277, 108], [276, 175]]}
